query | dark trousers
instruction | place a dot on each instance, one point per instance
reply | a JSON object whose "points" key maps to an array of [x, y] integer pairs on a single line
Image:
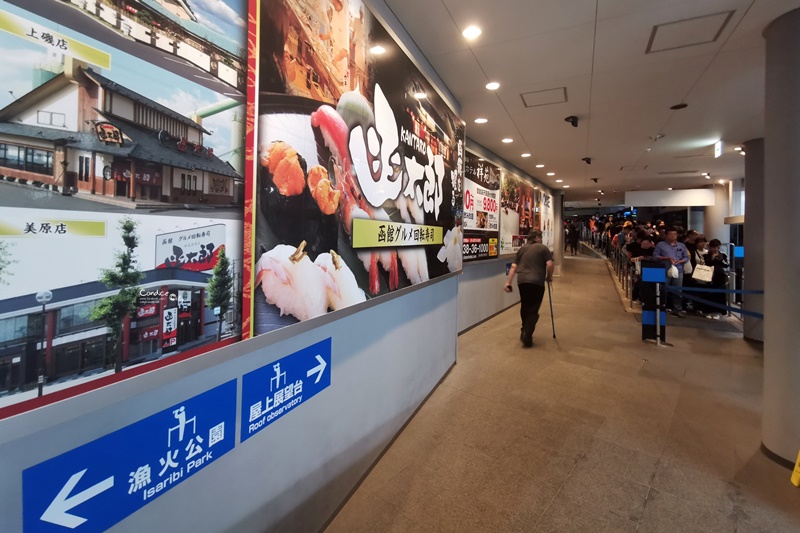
{"points": [[530, 296]]}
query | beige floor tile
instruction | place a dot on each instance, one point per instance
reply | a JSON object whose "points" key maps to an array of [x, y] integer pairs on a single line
{"points": [[667, 513], [592, 431], [610, 459]]}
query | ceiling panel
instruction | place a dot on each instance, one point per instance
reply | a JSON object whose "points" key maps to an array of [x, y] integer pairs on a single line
{"points": [[534, 45]]}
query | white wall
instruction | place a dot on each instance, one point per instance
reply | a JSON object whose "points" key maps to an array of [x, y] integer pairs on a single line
{"points": [[682, 198], [122, 106], [295, 473], [194, 55], [64, 102], [480, 291]]}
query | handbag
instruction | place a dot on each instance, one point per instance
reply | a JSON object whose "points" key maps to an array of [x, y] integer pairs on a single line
{"points": [[687, 267], [703, 273], [673, 272]]}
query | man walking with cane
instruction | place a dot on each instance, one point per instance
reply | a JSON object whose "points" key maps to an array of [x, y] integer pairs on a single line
{"points": [[534, 264]]}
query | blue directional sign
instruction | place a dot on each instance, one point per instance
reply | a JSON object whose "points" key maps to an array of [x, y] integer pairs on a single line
{"points": [[93, 487], [272, 391]]}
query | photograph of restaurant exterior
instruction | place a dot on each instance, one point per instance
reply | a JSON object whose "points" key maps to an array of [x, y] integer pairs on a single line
{"points": [[173, 27], [171, 316], [80, 132]]}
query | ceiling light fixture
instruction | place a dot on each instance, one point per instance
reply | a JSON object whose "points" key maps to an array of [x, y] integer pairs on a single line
{"points": [[540, 165], [508, 140], [742, 152], [472, 32], [566, 186], [377, 50], [669, 189], [420, 96], [708, 177], [526, 155], [679, 106], [559, 181], [722, 182], [737, 148], [551, 173], [492, 85], [705, 174], [481, 120]]}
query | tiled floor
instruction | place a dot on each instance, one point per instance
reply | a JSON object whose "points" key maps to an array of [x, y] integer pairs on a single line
{"points": [[593, 431]]}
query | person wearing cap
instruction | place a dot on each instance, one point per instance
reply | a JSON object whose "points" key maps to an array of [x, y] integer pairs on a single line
{"points": [[534, 264]]}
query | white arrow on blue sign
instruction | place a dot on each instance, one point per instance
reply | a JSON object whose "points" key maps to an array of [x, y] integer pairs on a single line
{"points": [[274, 390], [93, 487]]}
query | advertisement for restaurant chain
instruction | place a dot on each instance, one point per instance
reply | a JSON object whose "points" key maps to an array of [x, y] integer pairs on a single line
{"points": [[360, 166], [481, 209], [121, 190]]}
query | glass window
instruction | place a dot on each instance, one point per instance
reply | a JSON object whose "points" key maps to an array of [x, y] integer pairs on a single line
{"points": [[19, 327], [76, 317], [12, 156]]}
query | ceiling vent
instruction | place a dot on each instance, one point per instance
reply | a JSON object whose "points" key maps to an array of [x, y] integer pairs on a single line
{"points": [[632, 168], [673, 172], [688, 32], [546, 97]]}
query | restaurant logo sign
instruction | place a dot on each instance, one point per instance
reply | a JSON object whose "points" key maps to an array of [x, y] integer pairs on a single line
{"points": [[108, 133]]}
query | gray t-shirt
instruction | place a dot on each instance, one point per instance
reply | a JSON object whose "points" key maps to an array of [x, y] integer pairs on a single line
{"points": [[531, 263]]}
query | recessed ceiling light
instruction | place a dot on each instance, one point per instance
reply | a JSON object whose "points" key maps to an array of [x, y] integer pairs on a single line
{"points": [[480, 159], [597, 199], [566, 186], [669, 189], [722, 181], [705, 174], [493, 86], [559, 181], [481, 120], [737, 148], [420, 96], [741, 152], [377, 50], [647, 149], [508, 140], [708, 177], [551, 173], [679, 106], [526, 155], [472, 32], [540, 165]]}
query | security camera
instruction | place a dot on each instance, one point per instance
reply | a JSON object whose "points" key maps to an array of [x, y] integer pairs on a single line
{"points": [[594, 180], [572, 119], [587, 160]]}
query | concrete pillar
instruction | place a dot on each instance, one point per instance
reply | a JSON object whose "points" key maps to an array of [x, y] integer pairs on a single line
{"points": [[754, 237], [781, 418], [558, 231], [714, 215]]}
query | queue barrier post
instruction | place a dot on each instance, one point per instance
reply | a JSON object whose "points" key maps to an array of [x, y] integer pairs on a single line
{"points": [[654, 316]]}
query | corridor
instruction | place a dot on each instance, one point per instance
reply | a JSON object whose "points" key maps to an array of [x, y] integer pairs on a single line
{"points": [[593, 431]]}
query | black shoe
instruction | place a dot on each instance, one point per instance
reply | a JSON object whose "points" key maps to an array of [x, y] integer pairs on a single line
{"points": [[527, 343]]}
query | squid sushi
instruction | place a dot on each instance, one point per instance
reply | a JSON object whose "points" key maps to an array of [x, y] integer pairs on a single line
{"points": [[346, 291], [292, 283]]}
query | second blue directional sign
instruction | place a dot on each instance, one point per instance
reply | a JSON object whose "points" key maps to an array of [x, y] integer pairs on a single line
{"points": [[94, 486], [272, 391]]}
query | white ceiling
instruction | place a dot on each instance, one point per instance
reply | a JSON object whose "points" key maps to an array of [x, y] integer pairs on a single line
{"points": [[622, 95]]}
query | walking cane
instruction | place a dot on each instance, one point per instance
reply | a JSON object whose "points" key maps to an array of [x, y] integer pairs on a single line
{"points": [[552, 319]]}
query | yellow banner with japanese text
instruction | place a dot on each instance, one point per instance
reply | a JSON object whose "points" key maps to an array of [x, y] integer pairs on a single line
{"points": [[368, 233], [58, 42]]}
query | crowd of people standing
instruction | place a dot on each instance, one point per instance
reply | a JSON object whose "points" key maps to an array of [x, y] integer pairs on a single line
{"points": [[673, 247]]}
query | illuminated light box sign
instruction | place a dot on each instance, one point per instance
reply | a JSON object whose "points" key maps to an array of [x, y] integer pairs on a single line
{"points": [[365, 142], [481, 209]]}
